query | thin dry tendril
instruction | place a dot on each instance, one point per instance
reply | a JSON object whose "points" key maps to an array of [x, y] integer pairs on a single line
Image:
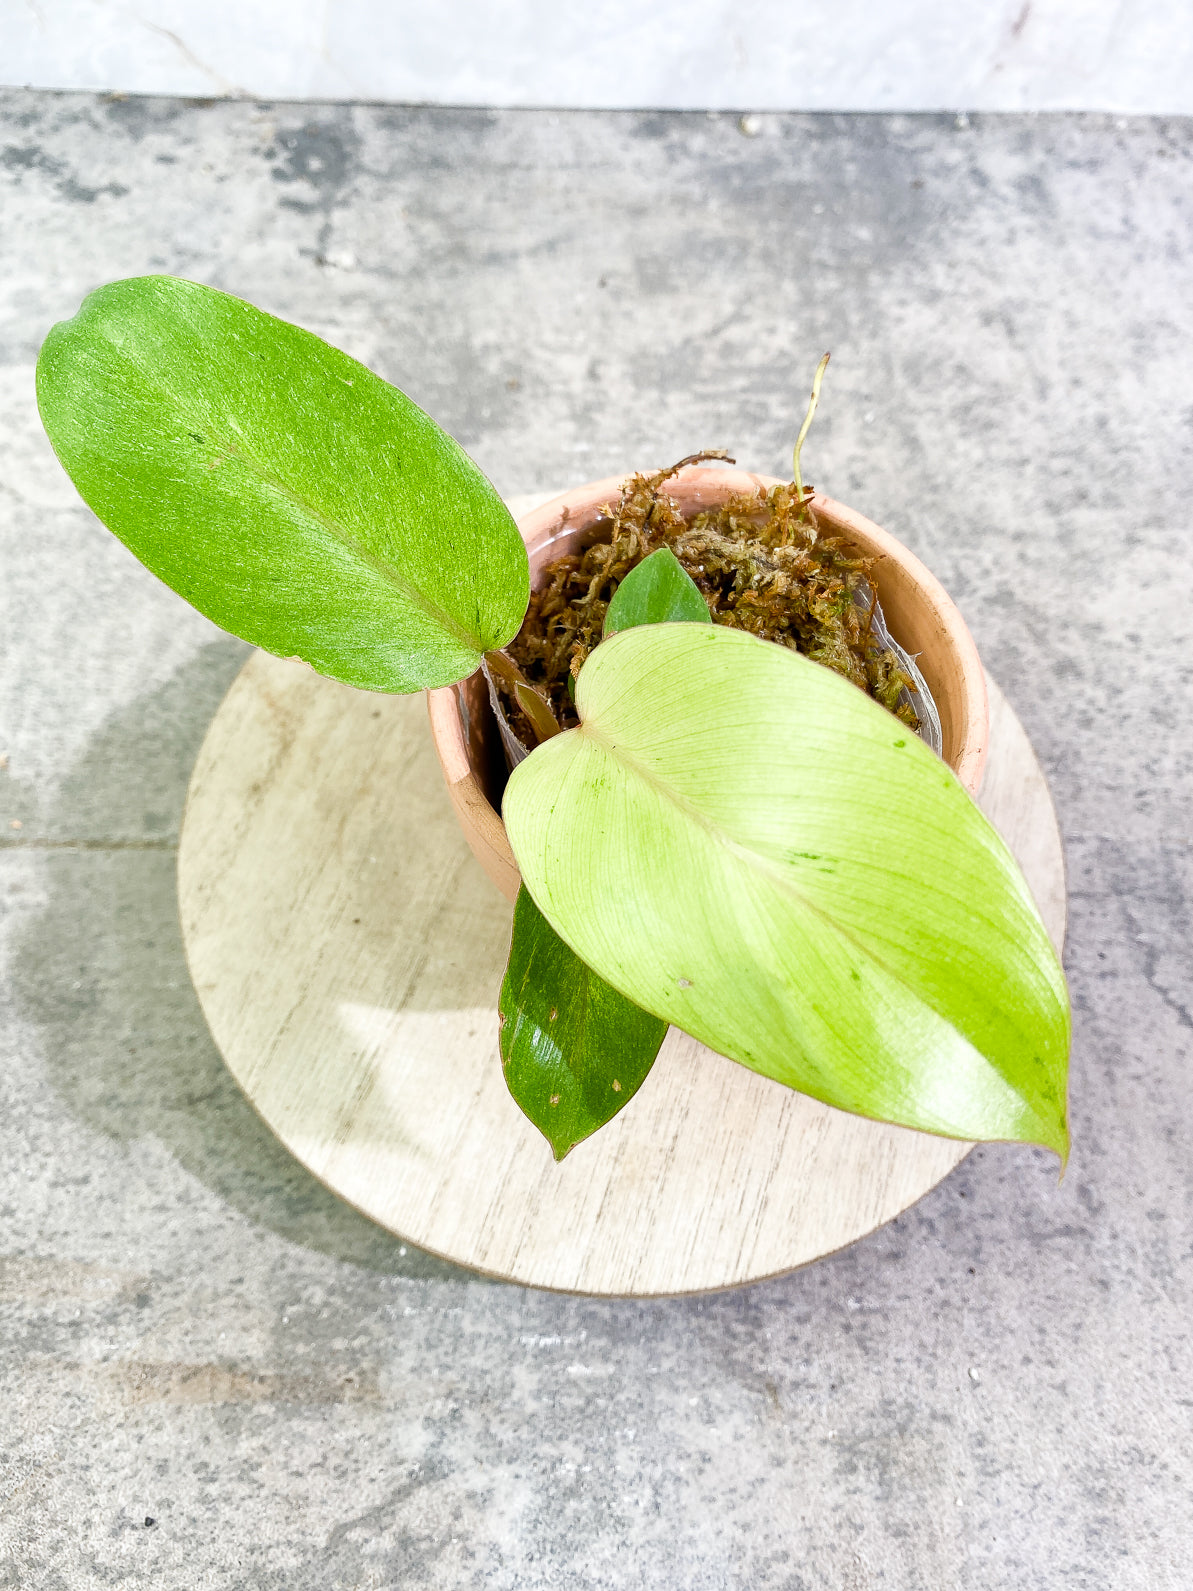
{"points": [[761, 563]]}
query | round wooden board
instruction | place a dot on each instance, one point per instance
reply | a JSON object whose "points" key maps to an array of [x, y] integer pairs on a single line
{"points": [[348, 950]]}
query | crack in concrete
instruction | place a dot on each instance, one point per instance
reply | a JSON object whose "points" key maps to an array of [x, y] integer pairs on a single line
{"points": [[8, 843]]}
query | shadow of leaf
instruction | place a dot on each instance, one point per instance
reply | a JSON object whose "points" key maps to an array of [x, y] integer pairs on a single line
{"points": [[102, 974]]}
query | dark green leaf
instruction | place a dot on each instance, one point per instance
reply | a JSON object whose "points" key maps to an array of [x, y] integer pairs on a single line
{"points": [[574, 1050], [290, 494], [659, 590]]}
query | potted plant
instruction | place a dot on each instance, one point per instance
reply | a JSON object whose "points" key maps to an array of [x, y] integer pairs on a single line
{"points": [[914, 602], [732, 838]]}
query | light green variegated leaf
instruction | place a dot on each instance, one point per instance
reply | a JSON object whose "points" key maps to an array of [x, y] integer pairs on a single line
{"points": [[745, 844], [659, 590], [574, 1051], [287, 492]]}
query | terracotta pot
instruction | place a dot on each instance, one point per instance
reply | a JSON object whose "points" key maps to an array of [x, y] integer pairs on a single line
{"points": [[919, 614]]}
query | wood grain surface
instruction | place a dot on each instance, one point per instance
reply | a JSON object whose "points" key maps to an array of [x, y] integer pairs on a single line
{"points": [[348, 950]]}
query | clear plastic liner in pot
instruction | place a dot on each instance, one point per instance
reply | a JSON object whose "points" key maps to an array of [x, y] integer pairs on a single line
{"points": [[918, 698]]}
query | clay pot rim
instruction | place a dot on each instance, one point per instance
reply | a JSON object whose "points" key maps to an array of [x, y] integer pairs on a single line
{"points": [[482, 822]]}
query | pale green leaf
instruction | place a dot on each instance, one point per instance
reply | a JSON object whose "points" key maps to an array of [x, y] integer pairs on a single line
{"points": [[745, 844], [659, 590], [574, 1051], [287, 492]]}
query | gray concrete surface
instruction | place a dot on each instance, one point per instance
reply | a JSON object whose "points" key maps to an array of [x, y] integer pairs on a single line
{"points": [[994, 1391]]}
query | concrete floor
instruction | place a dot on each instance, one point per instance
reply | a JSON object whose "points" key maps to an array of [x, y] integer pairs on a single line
{"points": [[214, 1375]]}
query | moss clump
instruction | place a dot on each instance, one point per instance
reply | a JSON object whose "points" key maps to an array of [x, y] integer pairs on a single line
{"points": [[762, 564]]}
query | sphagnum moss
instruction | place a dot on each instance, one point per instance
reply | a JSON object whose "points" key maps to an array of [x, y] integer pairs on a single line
{"points": [[761, 562]]}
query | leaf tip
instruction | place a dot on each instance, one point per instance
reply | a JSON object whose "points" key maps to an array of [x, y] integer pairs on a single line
{"points": [[1062, 1152], [1055, 1138]]}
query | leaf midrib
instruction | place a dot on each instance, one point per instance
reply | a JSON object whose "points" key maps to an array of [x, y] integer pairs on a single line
{"points": [[770, 871], [255, 467], [684, 804], [773, 874]]}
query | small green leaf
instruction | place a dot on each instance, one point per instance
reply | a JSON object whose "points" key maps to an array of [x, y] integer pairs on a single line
{"points": [[659, 590], [281, 487], [745, 844], [574, 1050]]}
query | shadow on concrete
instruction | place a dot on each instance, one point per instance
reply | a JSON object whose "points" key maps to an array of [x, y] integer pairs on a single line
{"points": [[102, 973]]}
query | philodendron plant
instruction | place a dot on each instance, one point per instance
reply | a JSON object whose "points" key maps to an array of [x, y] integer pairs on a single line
{"points": [[735, 839]]}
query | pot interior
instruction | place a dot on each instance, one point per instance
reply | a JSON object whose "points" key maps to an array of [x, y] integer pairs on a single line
{"points": [[918, 613], [573, 533]]}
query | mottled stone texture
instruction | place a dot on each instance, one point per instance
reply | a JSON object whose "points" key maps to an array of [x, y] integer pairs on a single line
{"points": [[994, 1391]]}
